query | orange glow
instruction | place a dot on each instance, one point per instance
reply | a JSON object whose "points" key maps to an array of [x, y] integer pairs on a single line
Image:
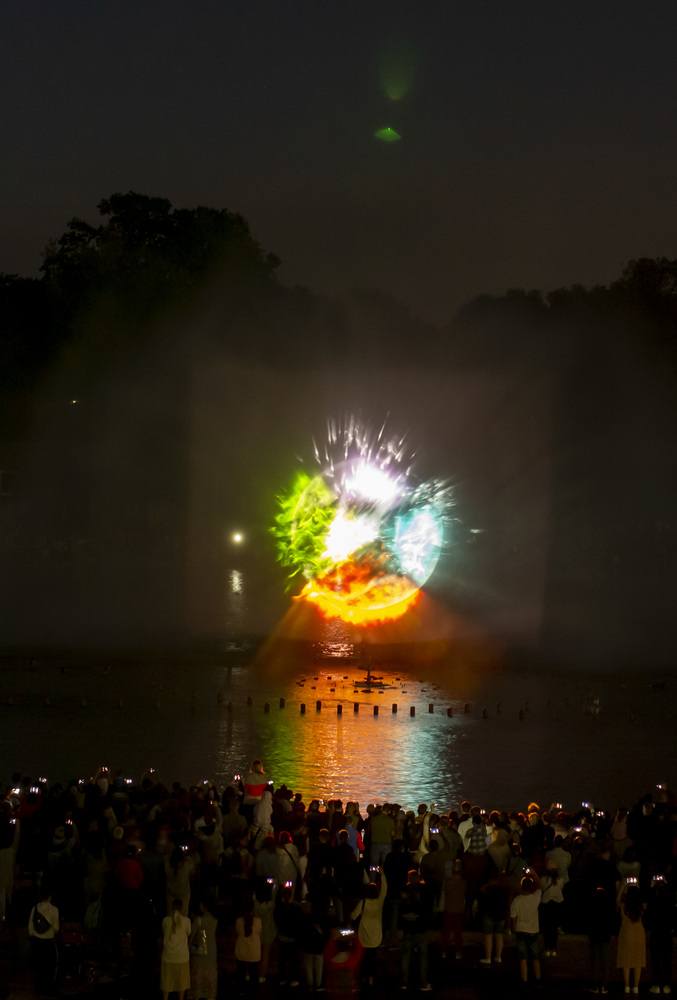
{"points": [[355, 594]]}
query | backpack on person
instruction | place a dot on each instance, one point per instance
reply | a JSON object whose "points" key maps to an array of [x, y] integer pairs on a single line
{"points": [[40, 922]]}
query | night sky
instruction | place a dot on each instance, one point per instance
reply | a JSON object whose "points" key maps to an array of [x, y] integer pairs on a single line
{"points": [[539, 141]]}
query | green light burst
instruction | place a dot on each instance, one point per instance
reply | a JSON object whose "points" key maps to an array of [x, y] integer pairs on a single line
{"points": [[301, 525], [387, 134]]}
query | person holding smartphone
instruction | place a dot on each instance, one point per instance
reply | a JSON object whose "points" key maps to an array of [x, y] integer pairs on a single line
{"points": [[369, 912]]}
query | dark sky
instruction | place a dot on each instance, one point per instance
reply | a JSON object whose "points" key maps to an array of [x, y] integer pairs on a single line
{"points": [[539, 140]]}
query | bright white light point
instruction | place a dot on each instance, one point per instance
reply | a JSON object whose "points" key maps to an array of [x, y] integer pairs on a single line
{"points": [[237, 538], [235, 581], [348, 534], [371, 483]]}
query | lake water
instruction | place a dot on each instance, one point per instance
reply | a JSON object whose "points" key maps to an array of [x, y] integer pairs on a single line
{"points": [[65, 719]]}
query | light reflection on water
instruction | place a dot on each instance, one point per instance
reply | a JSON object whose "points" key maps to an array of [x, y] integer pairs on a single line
{"points": [[174, 716], [235, 602], [66, 721], [355, 756]]}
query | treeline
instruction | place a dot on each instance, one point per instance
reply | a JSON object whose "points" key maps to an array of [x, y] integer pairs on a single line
{"points": [[150, 273]]}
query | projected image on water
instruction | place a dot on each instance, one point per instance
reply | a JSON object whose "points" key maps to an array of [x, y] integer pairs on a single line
{"points": [[362, 536]]}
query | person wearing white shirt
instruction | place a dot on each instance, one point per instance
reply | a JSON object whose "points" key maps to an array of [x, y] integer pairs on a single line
{"points": [[175, 965], [43, 927], [370, 931], [524, 918]]}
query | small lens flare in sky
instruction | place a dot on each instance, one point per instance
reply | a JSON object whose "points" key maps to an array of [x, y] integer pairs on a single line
{"points": [[387, 134], [362, 533], [397, 64]]}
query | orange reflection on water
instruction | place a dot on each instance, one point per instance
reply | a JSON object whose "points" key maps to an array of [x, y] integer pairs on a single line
{"points": [[355, 755]]}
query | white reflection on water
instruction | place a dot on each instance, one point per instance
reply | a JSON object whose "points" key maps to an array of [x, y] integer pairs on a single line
{"points": [[235, 602]]}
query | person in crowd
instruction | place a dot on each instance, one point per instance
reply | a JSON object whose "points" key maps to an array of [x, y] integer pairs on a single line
{"points": [[315, 821], [255, 784], [499, 849], [415, 911], [264, 906], [495, 913], [455, 888], [267, 862], [62, 869], [179, 870], [262, 823], [320, 872], [380, 827], [560, 858], [175, 962], [210, 842], [301, 886], [475, 859], [631, 956], [551, 908], [533, 838], [602, 925], [369, 913], [288, 923], [234, 823], [452, 844], [660, 922], [466, 813], [347, 875], [109, 842], [314, 934], [9, 841], [43, 928], [203, 953], [342, 961], [432, 869], [288, 858], [524, 917], [353, 831], [128, 880], [248, 950], [619, 832], [395, 868], [96, 866], [629, 865]]}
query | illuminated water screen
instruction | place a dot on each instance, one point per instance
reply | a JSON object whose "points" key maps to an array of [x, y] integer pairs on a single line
{"points": [[361, 536]]}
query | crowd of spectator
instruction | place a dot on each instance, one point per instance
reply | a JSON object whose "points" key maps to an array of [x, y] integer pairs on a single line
{"points": [[176, 888]]}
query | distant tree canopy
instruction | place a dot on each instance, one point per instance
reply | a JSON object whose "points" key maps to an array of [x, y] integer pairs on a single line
{"points": [[111, 286], [148, 254], [641, 302], [145, 258]]}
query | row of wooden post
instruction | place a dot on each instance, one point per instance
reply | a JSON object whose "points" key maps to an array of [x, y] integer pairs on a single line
{"points": [[356, 707]]}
